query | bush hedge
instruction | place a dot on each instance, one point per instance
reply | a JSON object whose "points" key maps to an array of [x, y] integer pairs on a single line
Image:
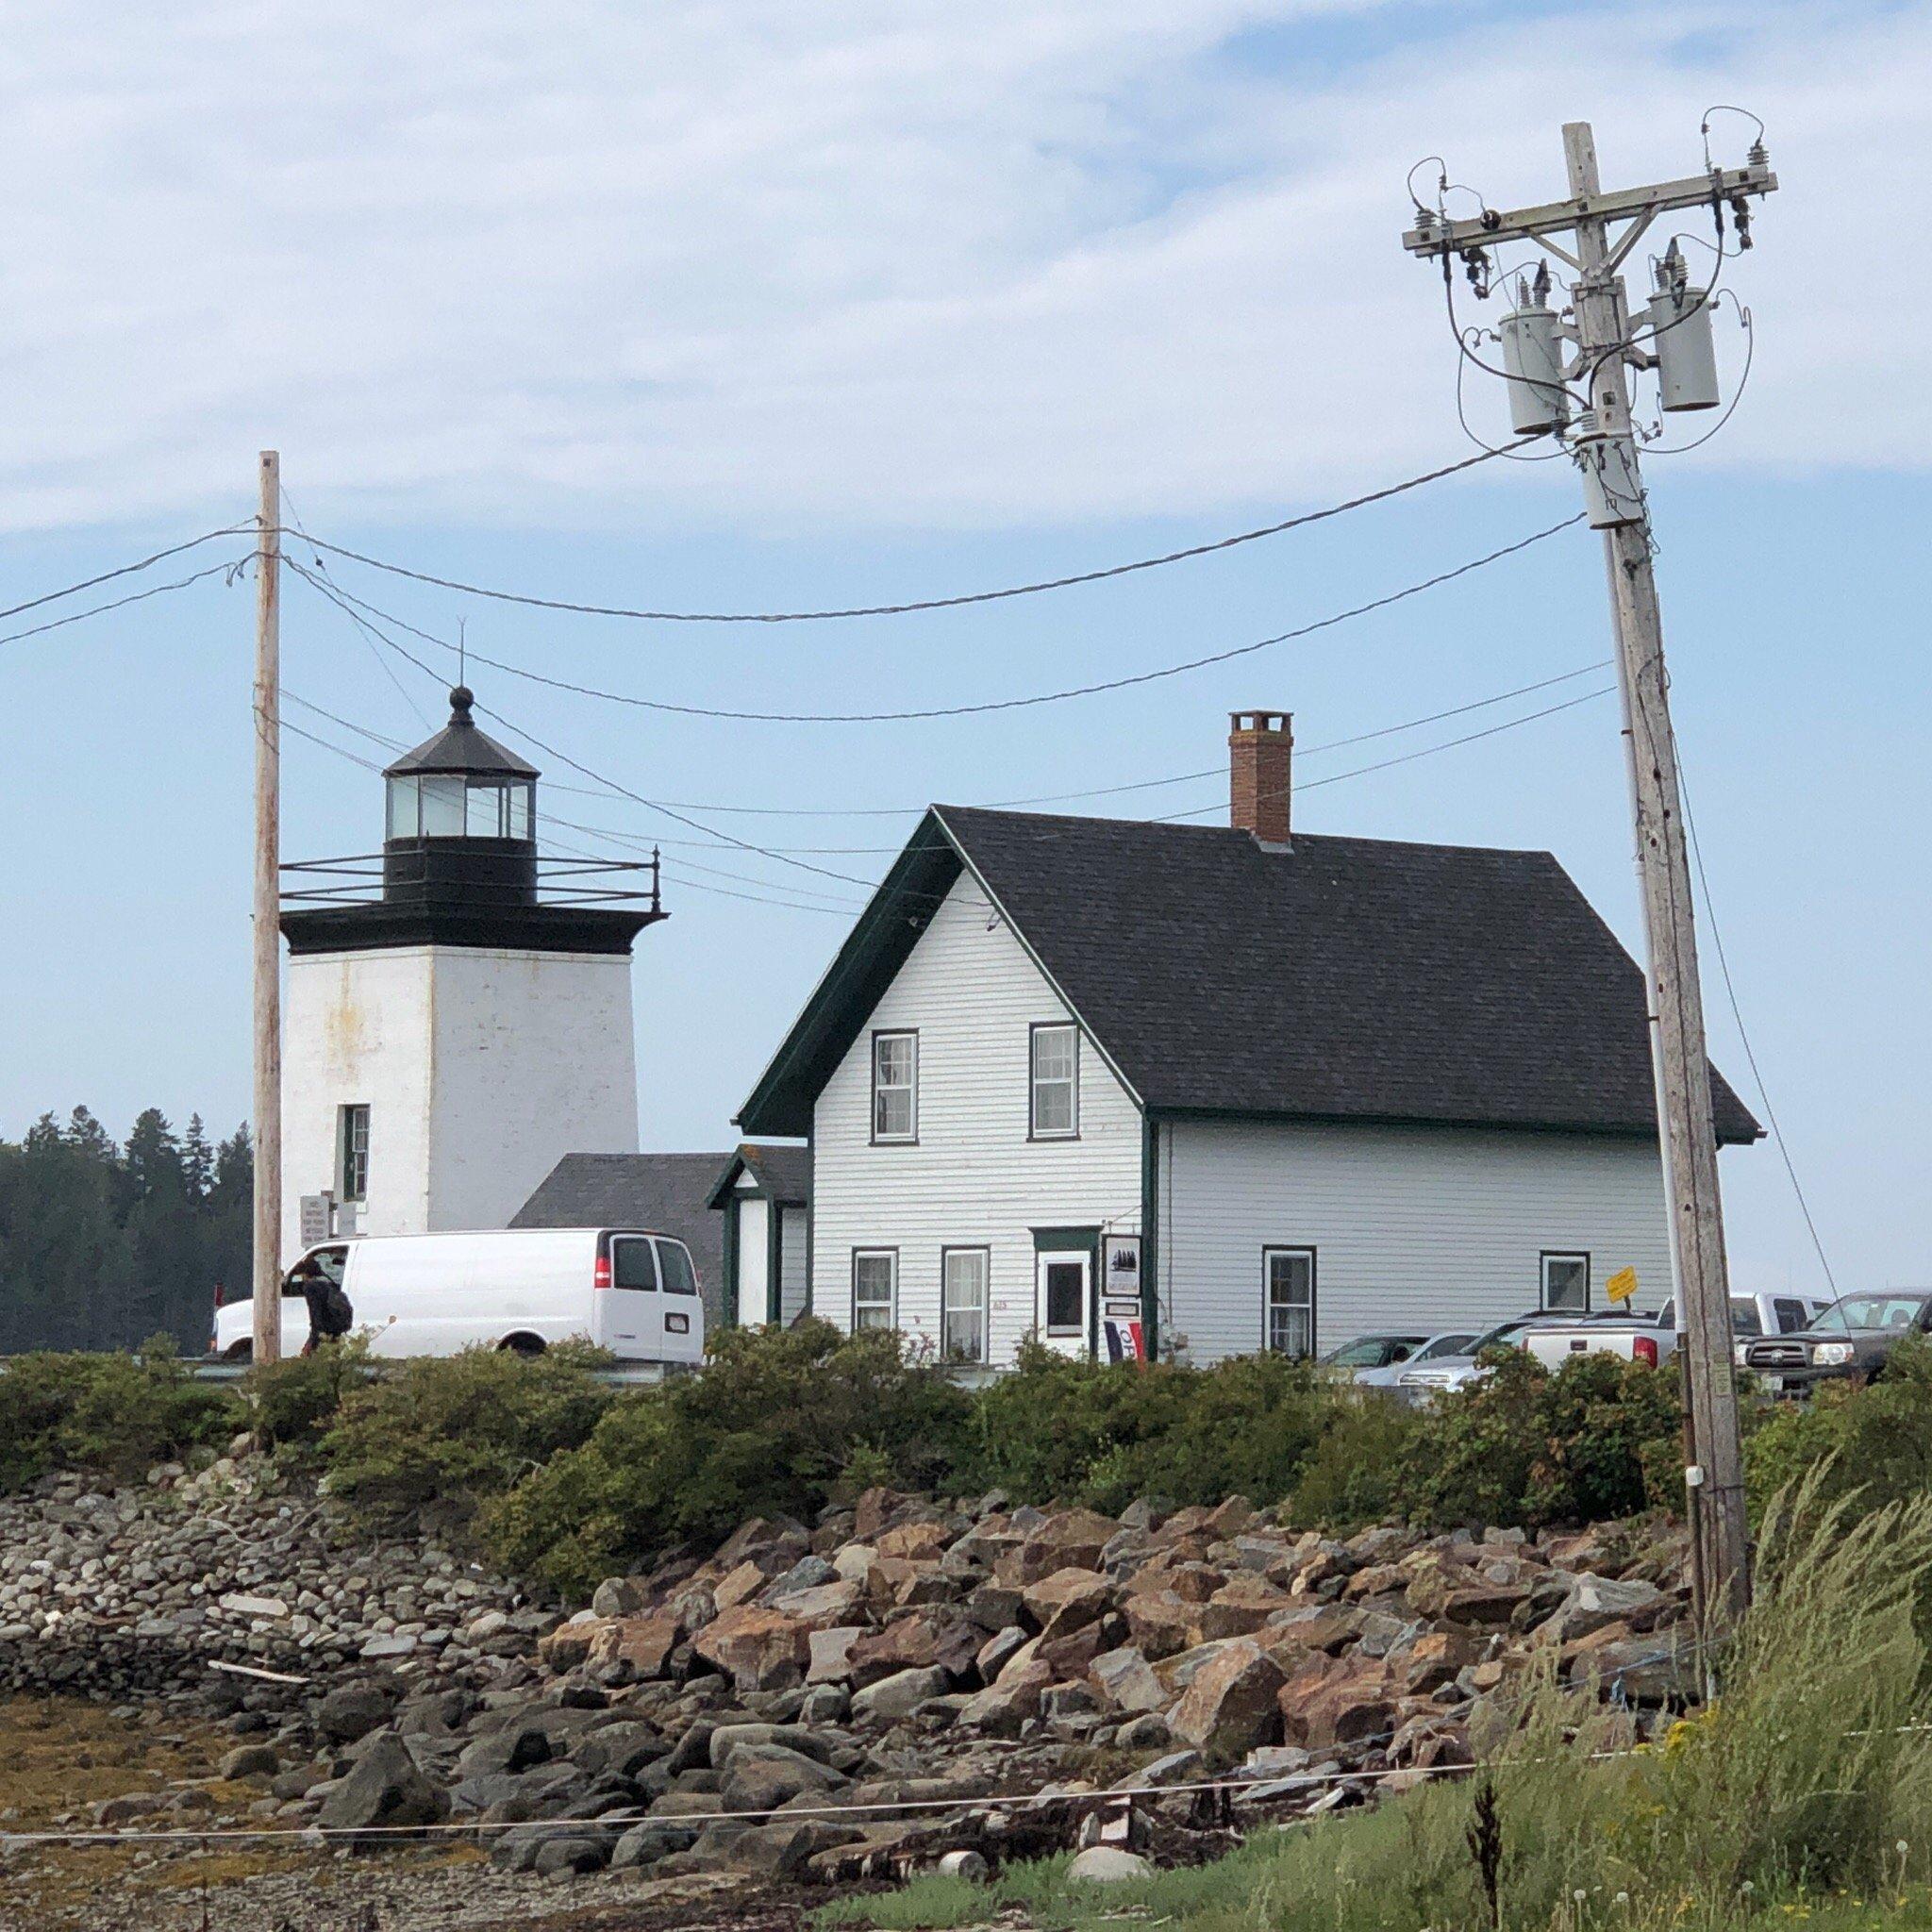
{"points": [[569, 1481], [114, 1415]]}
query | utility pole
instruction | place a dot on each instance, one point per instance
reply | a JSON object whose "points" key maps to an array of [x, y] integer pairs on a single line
{"points": [[1605, 446], [268, 905]]}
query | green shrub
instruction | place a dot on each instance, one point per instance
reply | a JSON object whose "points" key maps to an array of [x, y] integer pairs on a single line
{"points": [[455, 1428], [1531, 1446], [1058, 1429], [1874, 1441], [295, 1401], [779, 1419], [1354, 1476], [112, 1414]]}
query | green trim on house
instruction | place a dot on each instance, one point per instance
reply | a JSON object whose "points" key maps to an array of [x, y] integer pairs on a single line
{"points": [[1071, 1240], [1150, 1234], [727, 1314], [811, 1303], [1066, 1240]]}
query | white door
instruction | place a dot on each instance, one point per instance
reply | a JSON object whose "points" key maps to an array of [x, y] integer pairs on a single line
{"points": [[631, 1320], [753, 1263], [1063, 1310]]}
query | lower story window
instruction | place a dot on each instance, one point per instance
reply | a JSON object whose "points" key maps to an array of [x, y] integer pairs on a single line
{"points": [[875, 1287], [1566, 1284], [964, 1273], [1290, 1284]]}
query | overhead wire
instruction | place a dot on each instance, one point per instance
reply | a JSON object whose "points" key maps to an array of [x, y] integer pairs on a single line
{"points": [[231, 566], [127, 569], [987, 706], [906, 608]]}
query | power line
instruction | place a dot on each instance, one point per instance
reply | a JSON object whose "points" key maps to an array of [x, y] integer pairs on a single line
{"points": [[1090, 577], [1410, 757], [992, 704], [231, 567], [1778, 1132], [126, 568]]}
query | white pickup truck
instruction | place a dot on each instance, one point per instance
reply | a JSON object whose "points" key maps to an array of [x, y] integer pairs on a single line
{"points": [[1653, 1338]]}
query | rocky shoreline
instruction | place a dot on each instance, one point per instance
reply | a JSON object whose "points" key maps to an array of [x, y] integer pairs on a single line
{"points": [[816, 1704]]}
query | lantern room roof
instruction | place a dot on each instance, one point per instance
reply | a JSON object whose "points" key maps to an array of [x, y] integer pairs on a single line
{"points": [[461, 747]]}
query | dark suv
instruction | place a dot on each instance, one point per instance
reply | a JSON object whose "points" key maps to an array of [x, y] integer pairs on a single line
{"points": [[1853, 1337]]}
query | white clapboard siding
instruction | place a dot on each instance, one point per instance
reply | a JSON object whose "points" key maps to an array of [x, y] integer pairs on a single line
{"points": [[974, 1179], [1415, 1229]]}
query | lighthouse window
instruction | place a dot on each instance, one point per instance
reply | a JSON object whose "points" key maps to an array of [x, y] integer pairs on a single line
{"points": [[353, 1138], [402, 808]]}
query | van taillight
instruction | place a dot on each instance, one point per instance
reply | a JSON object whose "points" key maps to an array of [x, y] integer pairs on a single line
{"points": [[602, 1277], [1644, 1350]]}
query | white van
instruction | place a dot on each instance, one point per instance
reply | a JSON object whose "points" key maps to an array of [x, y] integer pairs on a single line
{"points": [[629, 1290]]}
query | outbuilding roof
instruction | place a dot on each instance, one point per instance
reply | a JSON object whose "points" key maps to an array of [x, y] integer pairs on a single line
{"points": [[1337, 978], [777, 1174]]}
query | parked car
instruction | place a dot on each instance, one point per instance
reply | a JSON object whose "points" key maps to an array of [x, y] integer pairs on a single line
{"points": [[1647, 1339], [629, 1290], [1435, 1349], [1757, 1314], [1422, 1381], [1852, 1338], [1372, 1352]]}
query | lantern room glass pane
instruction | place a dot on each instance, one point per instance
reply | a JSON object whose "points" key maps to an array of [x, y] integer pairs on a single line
{"points": [[403, 807], [442, 807], [485, 816], [520, 798]]}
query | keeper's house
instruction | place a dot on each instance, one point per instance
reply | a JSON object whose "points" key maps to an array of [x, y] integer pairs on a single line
{"points": [[1127, 1086]]}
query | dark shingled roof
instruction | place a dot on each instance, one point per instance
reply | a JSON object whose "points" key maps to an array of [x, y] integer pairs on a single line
{"points": [[667, 1193], [782, 1173], [1341, 979], [462, 746]]}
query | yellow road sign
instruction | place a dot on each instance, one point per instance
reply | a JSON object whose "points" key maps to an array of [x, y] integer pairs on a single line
{"points": [[1621, 1285]]}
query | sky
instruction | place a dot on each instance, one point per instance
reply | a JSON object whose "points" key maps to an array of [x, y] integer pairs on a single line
{"points": [[753, 307]]}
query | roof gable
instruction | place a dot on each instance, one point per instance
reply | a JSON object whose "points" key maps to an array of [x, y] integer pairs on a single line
{"points": [[1341, 979]]}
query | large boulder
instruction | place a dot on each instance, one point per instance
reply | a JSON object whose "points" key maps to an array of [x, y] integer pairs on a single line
{"points": [[383, 1787], [636, 1647], [933, 1636], [351, 1712], [829, 1658], [759, 1649], [1336, 1700], [1005, 1708], [888, 1699], [1126, 1680], [1232, 1704], [761, 1778], [1065, 1600], [1072, 1539]]}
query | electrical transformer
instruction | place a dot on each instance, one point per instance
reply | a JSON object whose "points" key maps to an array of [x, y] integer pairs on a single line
{"points": [[1612, 493], [1533, 362], [1681, 338]]}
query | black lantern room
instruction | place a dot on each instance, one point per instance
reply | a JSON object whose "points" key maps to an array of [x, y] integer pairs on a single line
{"points": [[459, 864]]}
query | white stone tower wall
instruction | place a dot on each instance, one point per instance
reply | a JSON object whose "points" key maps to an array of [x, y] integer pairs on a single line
{"points": [[480, 1068]]}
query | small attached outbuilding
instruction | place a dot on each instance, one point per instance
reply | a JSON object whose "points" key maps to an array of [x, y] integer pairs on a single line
{"points": [[764, 1196]]}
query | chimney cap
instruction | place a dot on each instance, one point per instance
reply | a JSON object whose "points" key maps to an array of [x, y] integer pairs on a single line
{"points": [[1270, 722]]}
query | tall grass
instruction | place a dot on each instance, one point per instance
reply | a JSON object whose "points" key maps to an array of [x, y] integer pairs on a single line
{"points": [[1808, 1780]]}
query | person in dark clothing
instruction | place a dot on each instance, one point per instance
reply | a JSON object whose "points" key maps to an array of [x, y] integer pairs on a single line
{"points": [[330, 1316]]}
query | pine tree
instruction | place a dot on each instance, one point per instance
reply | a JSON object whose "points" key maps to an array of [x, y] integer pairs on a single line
{"points": [[197, 1162]]}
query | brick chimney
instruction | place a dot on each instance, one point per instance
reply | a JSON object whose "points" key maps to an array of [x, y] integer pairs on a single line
{"points": [[1259, 747]]}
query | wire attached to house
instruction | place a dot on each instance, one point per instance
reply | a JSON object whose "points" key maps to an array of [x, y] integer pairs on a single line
{"points": [[951, 603]]}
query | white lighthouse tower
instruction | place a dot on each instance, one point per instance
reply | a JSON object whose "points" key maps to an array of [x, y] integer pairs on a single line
{"points": [[459, 1016]]}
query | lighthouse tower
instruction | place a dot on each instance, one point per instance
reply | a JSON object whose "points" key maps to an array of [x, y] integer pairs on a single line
{"points": [[459, 1011]]}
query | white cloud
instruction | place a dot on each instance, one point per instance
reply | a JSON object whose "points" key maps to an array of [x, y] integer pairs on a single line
{"points": [[862, 260]]}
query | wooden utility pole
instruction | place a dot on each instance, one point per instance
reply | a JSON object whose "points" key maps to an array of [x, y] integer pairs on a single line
{"points": [[1606, 447], [268, 905]]}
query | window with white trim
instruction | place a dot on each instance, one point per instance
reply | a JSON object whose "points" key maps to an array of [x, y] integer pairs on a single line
{"points": [[1566, 1284], [1289, 1286], [1056, 1083], [351, 1152], [963, 1276], [874, 1288], [895, 1086]]}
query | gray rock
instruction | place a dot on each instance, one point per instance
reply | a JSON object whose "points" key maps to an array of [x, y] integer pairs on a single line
{"points": [[251, 1760], [1108, 1865], [619, 1750], [351, 1711], [644, 1845], [764, 1777], [383, 1787], [619, 1596], [900, 1694], [571, 1857]]}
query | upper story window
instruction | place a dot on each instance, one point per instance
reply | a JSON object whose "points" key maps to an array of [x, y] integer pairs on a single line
{"points": [[1056, 1083], [352, 1154], [895, 1086]]}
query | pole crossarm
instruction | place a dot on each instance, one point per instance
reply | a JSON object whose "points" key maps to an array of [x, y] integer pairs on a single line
{"points": [[1431, 237]]}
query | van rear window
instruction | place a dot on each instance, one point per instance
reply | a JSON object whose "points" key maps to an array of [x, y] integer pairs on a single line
{"points": [[676, 1261], [632, 1265]]}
